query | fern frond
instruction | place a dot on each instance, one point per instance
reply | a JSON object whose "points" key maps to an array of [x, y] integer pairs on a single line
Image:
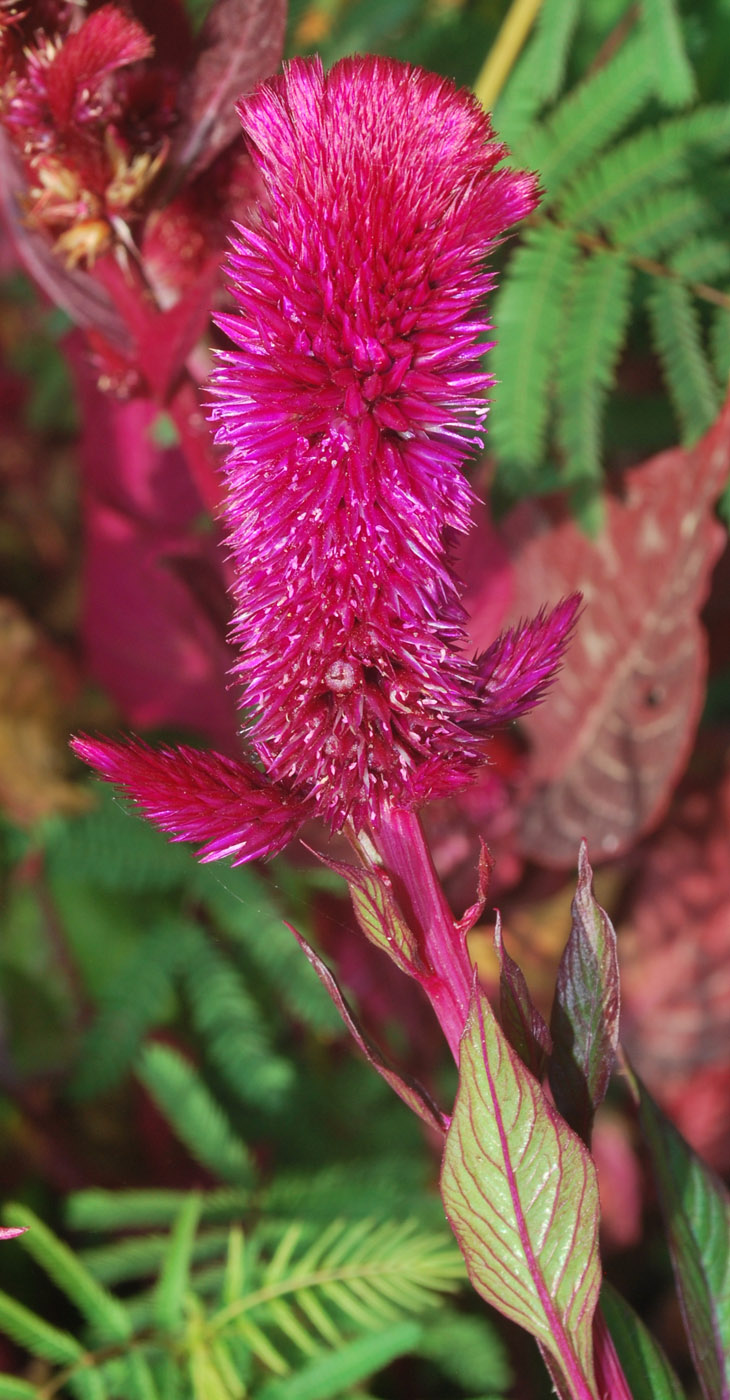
{"points": [[332, 1376], [468, 1350], [720, 343], [594, 334], [106, 1316], [113, 848], [234, 1279], [657, 156], [528, 316], [243, 906], [236, 1036], [141, 1256], [13, 1388], [674, 80], [95, 1209], [653, 225], [589, 117], [175, 1273], [193, 1113], [692, 387], [135, 1001], [703, 259], [538, 75], [37, 1336], [140, 1382]]}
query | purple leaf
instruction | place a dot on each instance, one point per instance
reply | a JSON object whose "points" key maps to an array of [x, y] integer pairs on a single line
{"points": [[520, 1192], [408, 1089], [696, 1209], [521, 1021], [240, 43], [585, 1014], [378, 914]]}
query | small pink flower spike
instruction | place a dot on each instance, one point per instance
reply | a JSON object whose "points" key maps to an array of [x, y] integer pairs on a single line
{"points": [[231, 807], [11, 1232], [518, 669]]}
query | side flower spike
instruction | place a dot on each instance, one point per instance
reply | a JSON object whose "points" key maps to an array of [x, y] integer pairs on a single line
{"points": [[231, 807], [517, 670]]}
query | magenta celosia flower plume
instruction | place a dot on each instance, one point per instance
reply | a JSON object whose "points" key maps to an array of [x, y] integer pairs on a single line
{"points": [[348, 409]]}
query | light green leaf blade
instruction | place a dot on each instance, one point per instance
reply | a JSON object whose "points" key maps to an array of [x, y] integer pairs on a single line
{"points": [[696, 1210], [520, 1192], [332, 1376], [174, 1277], [674, 81], [193, 1113], [106, 1315], [644, 1364], [13, 1388]]}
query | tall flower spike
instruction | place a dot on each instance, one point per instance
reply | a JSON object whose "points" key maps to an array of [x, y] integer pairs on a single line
{"points": [[349, 408]]}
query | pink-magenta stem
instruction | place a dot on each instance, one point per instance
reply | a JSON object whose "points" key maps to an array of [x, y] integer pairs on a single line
{"points": [[402, 846]]}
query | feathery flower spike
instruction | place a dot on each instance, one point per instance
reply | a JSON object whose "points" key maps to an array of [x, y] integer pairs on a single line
{"points": [[350, 405]]}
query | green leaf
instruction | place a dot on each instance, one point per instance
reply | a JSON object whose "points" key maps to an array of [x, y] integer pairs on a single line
{"points": [[674, 81], [635, 168], [660, 221], [528, 317], [105, 1314], [134, 1210], [37, 1336], [703, 259], [135, 1001], [598, 316], [585, 1016], [644, 1364], [378, 914], [720, 343], [332, 1376], [521, 1195], [12, 1388], [538, 75], [174, 1278], [468, 1350], [141, 1255], [590, 116], [193, 1113], [693, 390], [140, 1382], [696, 1210]]}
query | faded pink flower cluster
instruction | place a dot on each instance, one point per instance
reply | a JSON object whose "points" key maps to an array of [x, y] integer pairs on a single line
{"points": [[348, 408]]}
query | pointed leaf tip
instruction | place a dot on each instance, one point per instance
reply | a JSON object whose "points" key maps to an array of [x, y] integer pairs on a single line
{"points": [[521, 1195], [521, 1021], [585, 1016]]}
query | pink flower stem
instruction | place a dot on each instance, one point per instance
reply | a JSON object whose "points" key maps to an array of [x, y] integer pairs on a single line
{"points": [[612, 1383], [185, 409], [446, 979]]}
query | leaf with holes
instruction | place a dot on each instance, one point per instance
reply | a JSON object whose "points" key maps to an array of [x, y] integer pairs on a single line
{"points": [[585, 1016], [520, 1192], [608, 748]]}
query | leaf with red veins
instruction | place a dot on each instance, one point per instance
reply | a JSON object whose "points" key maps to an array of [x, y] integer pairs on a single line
{"points": [[240, 43], [585, 1016], [230, 806], [520, 1193], [404, 1085], [107, 40], [607, 750], [518, 669], [522, 1023], [377, 913]]}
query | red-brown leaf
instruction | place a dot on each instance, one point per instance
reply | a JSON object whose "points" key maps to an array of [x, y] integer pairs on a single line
{"points": [[610, 742], [240, 43]]}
